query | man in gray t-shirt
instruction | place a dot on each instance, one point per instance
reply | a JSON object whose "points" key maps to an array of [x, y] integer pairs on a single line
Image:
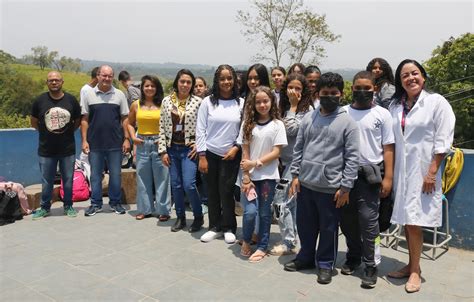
{"points": [[131, 92]]}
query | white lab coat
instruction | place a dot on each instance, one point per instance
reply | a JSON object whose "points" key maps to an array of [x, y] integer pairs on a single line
{"points": [[429, 130]]}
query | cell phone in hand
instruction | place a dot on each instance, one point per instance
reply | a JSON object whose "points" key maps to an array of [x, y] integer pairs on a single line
{"points": [[251, 194]]}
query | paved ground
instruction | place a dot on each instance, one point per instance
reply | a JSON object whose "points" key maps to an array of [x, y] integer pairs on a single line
{"points": [[114, 257]]}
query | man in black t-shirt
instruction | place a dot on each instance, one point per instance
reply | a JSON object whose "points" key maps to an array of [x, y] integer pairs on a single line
{"points": [[56, 115]]}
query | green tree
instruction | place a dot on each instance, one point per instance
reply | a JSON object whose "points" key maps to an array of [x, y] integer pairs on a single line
{"points": [[6, 58], [67, 63], [17, 91], [42, 57], [14, 121], [451, 73], [276, 23]]}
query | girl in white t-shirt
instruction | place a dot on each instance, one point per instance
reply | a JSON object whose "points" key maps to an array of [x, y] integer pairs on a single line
{"points": [[262, 136]]}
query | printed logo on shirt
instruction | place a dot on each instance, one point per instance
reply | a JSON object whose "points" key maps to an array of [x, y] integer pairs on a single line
{"points": [[56, 120], [377, 124]]}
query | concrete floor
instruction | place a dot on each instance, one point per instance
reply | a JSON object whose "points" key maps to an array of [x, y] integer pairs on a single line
{"points": [[110, 257]]}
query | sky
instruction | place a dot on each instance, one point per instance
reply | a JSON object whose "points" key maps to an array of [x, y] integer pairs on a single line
{"points": [[206, 32]]}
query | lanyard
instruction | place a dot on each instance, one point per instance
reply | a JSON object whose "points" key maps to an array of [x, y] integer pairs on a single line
{"points": [[403, 115], [177, 105]]}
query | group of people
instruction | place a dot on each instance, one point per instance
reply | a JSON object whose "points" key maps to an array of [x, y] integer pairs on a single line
{"points": [[295, 152]]}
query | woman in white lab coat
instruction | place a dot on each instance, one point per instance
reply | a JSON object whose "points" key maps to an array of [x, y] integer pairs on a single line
{"points": [[424, 128]]}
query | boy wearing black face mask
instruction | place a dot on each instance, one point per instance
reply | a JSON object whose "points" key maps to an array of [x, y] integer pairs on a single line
{"points": [[324, 168], [359, 220]]}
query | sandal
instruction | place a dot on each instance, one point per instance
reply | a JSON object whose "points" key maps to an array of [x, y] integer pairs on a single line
{"points": [[412, 287], [257, 256], [245, 251], [163, 218]]}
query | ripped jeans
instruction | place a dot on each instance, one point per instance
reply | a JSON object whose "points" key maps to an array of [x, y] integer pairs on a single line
{"points": [[284, 210], [265, 191]]}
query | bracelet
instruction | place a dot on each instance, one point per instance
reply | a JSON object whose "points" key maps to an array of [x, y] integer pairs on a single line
{"points": [[246, 183], [202, 153]]}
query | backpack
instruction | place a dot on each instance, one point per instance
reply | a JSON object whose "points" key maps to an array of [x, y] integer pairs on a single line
{"points": [[9, 207], [80, 187]]}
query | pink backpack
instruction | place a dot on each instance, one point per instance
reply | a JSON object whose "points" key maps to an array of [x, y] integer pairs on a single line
{"points": [[80, 187]]}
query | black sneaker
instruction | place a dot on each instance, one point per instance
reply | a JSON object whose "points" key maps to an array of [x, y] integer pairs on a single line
{"points": [[369, 279], [325, 275], [297, 265], [92, 210], [179, 224], [117, 208], [349, 267], [197, 224]]}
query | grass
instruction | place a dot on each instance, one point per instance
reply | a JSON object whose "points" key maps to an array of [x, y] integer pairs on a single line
{"points": [[73, 82]]}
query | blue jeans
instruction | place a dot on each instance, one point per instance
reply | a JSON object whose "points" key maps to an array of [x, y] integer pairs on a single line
{"points": [[183, 179], [114, 164], [265, 191], [286, 210], [47, 167], [151, 172]]}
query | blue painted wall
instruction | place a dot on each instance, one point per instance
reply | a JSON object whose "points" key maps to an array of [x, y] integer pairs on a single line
{"points": [[461, 205], [19, 163], [19, 155]]}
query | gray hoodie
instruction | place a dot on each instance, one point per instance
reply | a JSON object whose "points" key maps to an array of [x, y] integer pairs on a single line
{"points": [[326, 152]]}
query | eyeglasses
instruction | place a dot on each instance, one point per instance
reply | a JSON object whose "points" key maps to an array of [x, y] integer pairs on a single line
{"points": [[54, 80]]}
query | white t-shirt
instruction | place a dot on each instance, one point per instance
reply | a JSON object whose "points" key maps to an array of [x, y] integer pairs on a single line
{"points": [[218, 126], [264, 138], [375, 125], [84, 90]]}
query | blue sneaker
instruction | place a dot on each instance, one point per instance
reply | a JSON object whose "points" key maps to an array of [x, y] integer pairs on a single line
{"points": [[92, 210], [118, 209], [41, 213]]}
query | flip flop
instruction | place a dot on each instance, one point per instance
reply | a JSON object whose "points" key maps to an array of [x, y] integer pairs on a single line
{"points": [[255, 258], [246, 253]]}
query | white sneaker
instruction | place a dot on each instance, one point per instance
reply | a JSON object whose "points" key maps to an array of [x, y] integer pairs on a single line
{"points": [[210, 235], [229, 237]]}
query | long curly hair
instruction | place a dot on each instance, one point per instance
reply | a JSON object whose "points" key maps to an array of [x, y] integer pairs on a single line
{"points": [[251, 114], [387, 73], [215, 92], [305, 101]]}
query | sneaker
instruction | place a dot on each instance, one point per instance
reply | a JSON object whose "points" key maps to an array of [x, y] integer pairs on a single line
{"points": [[70, 211], [41, 213], [210, 235], [197, 224], [229, 237], [369, 279], [297, 265], [325, 275], [117, 208], [92, 210], [349, 267], [282, 249]]}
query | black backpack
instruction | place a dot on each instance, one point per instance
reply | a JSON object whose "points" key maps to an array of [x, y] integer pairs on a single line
{"points": [[10, 210]]}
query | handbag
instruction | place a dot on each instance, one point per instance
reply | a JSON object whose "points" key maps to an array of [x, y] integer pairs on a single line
{"points": [[10, 209]]}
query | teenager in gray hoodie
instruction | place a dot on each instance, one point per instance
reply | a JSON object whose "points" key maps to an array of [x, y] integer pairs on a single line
{"points": [[324, 168]]}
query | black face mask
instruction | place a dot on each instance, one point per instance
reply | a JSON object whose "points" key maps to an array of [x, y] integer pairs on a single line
{"points": [[329, 102], [363, 97]]}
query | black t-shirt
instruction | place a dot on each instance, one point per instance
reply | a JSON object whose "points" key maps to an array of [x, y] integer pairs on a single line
{"points": [[56, 124]]}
